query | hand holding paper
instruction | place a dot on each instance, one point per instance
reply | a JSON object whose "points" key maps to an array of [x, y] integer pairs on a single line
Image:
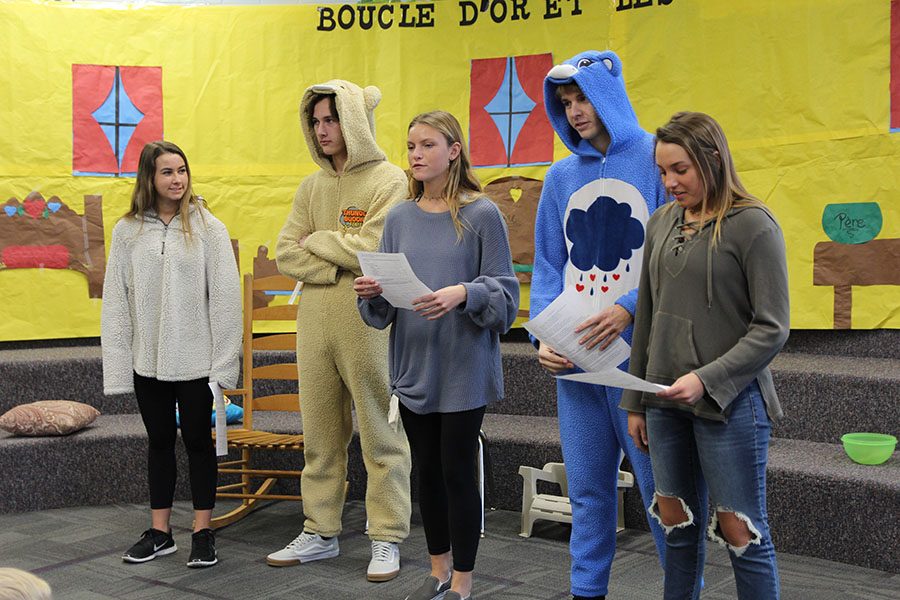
{"points": [[604, 327], [552, 360], [556, 326], [367, 287], [391, 270], [688, 389]]}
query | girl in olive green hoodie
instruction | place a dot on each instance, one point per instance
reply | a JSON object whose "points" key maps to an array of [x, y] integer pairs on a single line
{"points": [[712, 312]]}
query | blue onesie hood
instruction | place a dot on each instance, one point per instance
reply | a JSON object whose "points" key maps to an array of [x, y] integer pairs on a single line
{"points": [[599, 75], [589, 230]]}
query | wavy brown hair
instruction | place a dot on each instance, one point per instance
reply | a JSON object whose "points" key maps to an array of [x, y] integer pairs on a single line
{"points": [[462, 185], [143, 198], [705, 143]]}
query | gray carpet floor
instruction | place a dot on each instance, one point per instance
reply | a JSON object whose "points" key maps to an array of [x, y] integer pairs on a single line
{"points": [[78, 552]]}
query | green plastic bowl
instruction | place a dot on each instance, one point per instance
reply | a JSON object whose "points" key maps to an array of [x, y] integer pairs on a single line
{"points": [[869, 448]]}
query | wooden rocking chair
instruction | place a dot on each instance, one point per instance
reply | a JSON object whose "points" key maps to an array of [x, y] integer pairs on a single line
{"points": [[248, 439]]}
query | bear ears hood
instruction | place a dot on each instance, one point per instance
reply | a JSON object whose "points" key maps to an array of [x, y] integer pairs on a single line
{"points": [[356, 114], [599, 75]]}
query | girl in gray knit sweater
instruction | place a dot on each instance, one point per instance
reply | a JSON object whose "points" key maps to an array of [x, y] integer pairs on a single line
{"points": [[445, 355]]}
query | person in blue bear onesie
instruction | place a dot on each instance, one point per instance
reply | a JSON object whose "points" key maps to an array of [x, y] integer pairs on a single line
{"points": [[589, 235]]}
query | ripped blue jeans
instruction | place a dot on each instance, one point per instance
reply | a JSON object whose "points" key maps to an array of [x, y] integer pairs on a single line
{"points": [[700, 461]]}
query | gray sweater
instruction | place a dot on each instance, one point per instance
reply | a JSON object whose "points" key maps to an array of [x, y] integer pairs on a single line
{"points": [[451, 364], [720, 312]]}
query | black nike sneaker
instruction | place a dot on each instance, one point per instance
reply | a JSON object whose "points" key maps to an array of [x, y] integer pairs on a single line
{"points": [[153, 543], [203, 549]]}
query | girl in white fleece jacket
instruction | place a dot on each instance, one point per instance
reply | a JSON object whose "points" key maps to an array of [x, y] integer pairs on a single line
{"points": [[170, 328]]}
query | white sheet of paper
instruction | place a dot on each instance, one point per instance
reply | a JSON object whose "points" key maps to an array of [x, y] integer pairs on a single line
{"points": [[615, 378], [221, 433], [296, 293], [399, 283], [555, 326]]}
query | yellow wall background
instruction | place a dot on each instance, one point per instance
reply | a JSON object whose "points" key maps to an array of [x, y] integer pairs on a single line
{"points": [[800, 87]]}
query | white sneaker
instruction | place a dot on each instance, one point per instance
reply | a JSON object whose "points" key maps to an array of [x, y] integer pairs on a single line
{"points": [[306, 547], [385, 563]]}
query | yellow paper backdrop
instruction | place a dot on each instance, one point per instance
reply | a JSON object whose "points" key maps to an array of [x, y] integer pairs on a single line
{"points": [[801, 88]]}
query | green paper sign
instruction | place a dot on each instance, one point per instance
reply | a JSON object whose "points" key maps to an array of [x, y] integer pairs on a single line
{"points": [[852, 223]]}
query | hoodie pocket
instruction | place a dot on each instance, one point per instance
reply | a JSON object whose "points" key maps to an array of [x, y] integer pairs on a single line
{"points": [[672, 352]]}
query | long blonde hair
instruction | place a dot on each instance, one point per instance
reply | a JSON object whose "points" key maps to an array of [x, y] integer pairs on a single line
{"points": [[462, 185], [705, 143], [143, 198]]}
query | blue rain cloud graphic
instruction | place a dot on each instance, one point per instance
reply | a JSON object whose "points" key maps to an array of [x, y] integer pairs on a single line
{"points": [[603, 235]]}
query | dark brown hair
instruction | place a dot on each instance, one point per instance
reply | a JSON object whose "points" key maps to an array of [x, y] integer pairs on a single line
{"points": [[311, 107]]}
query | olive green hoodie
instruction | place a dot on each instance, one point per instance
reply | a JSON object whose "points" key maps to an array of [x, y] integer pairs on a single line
{"points": [[719, 311]]}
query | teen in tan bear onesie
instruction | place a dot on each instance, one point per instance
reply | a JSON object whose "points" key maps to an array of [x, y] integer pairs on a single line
{"points": [[337, 212]]}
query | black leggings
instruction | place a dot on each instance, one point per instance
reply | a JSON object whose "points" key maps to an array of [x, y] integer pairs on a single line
{"points": [[156, 400], [445, 447]]}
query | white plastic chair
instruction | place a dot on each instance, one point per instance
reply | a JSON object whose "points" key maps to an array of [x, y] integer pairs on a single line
{"points": [[558, 508]]}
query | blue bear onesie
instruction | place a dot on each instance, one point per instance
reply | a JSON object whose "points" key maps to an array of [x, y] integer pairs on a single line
{"points": [[589, 235]]}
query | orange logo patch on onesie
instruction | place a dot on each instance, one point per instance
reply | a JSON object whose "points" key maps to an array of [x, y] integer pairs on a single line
{"points": [[352, 217]]}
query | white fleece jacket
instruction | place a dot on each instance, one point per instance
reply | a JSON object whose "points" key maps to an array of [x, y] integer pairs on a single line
{"points": [[171, 305]]}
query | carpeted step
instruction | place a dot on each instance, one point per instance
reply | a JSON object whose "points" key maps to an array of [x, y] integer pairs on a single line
{"points": [[69, 373], [824, 397], [76, 373], [873, 343], [822, 504], [104, 463], [528, 388]]}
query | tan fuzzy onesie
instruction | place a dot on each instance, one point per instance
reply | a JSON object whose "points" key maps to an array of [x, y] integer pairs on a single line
{"points": [[340, 359]]}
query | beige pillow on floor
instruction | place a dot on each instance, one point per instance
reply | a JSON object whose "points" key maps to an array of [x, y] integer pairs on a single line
{"points": [[48, 417]]}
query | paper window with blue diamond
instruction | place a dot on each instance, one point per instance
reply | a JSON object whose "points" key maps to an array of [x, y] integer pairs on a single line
{"points": [[115, 112], [508, 126]]}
